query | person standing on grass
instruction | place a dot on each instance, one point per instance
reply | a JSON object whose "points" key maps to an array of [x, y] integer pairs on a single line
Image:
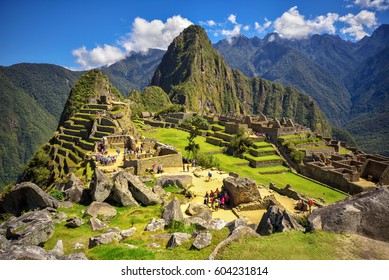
{"points": [[310, 203]]}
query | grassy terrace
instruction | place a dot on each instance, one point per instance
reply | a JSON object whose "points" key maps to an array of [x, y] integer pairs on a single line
{"points": [[263, 158], [303, 185]]}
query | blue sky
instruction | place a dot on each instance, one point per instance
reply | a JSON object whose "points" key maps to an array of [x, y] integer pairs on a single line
{"points": [[86, 34]]}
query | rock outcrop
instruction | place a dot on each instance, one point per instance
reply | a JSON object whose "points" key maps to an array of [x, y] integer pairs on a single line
{"points": [[142, 193], [96, 224], [33, 228], [177, 238], [202, 240], [74, 222], [101, 186], [105, 238], [276, 220], [25, 197], [172, 212], [241, 190], [120, 192], [196, 209], [102, 209], [181, 181], [364, 214], [155, 225], [74, 190]]}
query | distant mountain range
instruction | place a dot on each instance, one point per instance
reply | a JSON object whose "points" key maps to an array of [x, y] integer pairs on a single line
{"points": [[348, 80]]}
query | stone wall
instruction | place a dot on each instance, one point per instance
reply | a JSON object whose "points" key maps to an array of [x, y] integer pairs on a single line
{"points": [[262, 163], [377, 170], [334, 179], [233, 128], [324, 151], [287, 191], [141, 165], [213, 141], [155, 123]]}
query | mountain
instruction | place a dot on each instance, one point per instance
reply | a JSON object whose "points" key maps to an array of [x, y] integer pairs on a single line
{"points": [[133, 72], [93, 110], [31, 101], [192, 72], [343, 77]]}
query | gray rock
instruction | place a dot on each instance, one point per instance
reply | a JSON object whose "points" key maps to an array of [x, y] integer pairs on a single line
{"points": [[74, 222], [58, 249], [160, 192], [197, 221], [241, 190], [120, 192], [181, 181], [101, 186], [236, 234], [275, 220], [233, 174], [172, 212], [146, 179], [154, 245], [60, 217], [142, 193], [128, 232], [96, 224], [130, 246], [102, 209], [177, 239], [236, 223], [65, 204], [26, 252], [364, 214], [25, 197], [217, 224], [104, 238], [202, 240], [200, 210], [78, 246], [4, 243], [76, 256], [74, 190], [32, 228], [155, 225]]}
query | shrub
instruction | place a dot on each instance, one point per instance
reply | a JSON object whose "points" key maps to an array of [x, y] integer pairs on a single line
{"points": [[57, 195], [207, 160]]}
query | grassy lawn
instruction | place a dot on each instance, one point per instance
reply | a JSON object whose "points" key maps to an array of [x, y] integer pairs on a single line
{"points": [[293, 246], [261, 145], [263, 158], [272, 168], [264, 149], [312, 189]]}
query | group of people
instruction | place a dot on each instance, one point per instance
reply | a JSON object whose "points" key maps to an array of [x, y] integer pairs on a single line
{"points": [[217, 199], [305, 206], [105, 160]]}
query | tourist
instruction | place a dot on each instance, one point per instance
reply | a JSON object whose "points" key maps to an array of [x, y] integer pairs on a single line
{"points": [[187, 167], [206, 197], [153, 166], [212, 202], [209, 176], [222, 201], [216, 204], [310, 203], [159, 169]]}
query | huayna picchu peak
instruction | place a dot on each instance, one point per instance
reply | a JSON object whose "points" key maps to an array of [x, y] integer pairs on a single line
{"points": [[193, 73]]}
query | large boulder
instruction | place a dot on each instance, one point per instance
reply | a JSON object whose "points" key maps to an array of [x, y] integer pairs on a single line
{"points": [[142, 193], [96, 224], [74, 222], [74, 190], [181, 181], [32, 228], [177, 238], [25, 197], [105, 238], [241, 190], [155, 225], [364, 214], [172, 212], [197, 209], [100, 209], [236, 223], [120, 192], [101, 186], [202, 240], [276, 220], [236, 234]]}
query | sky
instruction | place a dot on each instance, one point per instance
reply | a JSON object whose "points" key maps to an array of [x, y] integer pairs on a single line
{"points": [[85, 34]]}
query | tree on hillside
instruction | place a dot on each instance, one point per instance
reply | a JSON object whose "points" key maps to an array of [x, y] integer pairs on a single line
{"points": [[240, 143], [194, 124]]}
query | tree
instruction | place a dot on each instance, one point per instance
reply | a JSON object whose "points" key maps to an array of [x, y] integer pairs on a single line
{"points": [[240, 143], [194, 124]]}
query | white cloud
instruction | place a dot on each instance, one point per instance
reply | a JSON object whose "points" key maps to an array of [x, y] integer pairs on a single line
{"points": [[373, 4], [154, 34], [232, 18], [246, 27], [232, 33], [292, 25], [357, 23], [143, 36], [210, 23], [263, 28], [98, 56]]}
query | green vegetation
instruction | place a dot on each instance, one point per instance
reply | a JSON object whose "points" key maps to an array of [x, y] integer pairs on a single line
{"points": [[239, 144], [294, 245], [228, 163], [57, 194], [151, 99], [194, 124]]}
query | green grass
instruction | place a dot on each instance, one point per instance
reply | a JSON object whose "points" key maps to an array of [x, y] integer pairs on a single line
{"points": [[261, 144], [172, 189], [263, 158], [264, 149], [292, 246], [310, 188], [277, 168]]}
